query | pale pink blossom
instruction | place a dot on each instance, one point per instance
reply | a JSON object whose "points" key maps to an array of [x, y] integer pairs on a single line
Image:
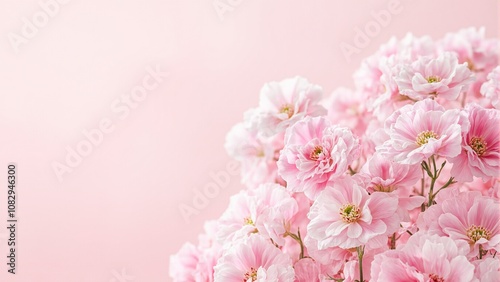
{"points": [[468, 217], [267, 210], [424, 257], [278, 213], [487, 270], [254, 259], [480, 53], [307, 270], [286, 102], [480, 153], [183, 264], [491, 88], [347, 108], [256, 154], [374, 77], [422, 130], [391, 177], [210, 252], [430, 77], [472, 47], [346, 216], [204, 271], [410, 49], [331, 259], [238, 220], [388, 176], [316, 152]]}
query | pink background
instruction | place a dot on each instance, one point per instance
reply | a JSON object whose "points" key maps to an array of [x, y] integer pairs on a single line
{"points": [[118, 210]]}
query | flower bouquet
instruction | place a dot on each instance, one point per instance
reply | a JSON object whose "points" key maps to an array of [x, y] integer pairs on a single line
{"points": [[395, 180]]}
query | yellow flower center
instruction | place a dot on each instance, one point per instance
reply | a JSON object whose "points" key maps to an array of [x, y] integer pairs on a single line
{"points": [[251, 274], [477, 232], [433, 79], [316, 152], [424, 136], [287, 109], [248, 221], [350, 213], [478, 145]]}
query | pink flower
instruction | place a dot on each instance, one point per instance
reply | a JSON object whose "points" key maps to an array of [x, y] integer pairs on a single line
{"points": [[441, 77], [183, 264], [257, 154], [238, 220], [480, 154], [491, 88], [420, 131], [488, 269], [331, 259], [278, 213], [267, 210], [369, 78], [472, 47], [388, 176], [346, 216], [286, 102], [307, 270], [424, 258], [204, 271], [391, 177], [210, 252], [254, 259], [315, 152], [468, 217], [347, 108], [481, 55]]}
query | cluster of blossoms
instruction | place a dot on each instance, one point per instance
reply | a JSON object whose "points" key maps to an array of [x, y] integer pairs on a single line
{"points": [[396, 180]]}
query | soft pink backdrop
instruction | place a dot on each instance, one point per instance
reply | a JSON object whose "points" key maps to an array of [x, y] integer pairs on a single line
{"points": [[118, 210]]}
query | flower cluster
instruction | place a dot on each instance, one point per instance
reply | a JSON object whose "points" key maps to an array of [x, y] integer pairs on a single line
{"points": [[395, 180]]}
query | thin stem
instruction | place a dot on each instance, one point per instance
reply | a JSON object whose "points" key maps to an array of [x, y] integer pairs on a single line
{"points": [[297, 238], [450, 182], [301, 245], [393, 241], [434, 176], [360, 250], [422, 189]]}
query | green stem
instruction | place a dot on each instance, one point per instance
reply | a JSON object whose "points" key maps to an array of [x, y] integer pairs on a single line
{"points": [[434, 175], [450, 182]]}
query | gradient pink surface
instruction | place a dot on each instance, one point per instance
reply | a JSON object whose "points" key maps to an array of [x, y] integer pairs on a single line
{"points": [[116, 216]]}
